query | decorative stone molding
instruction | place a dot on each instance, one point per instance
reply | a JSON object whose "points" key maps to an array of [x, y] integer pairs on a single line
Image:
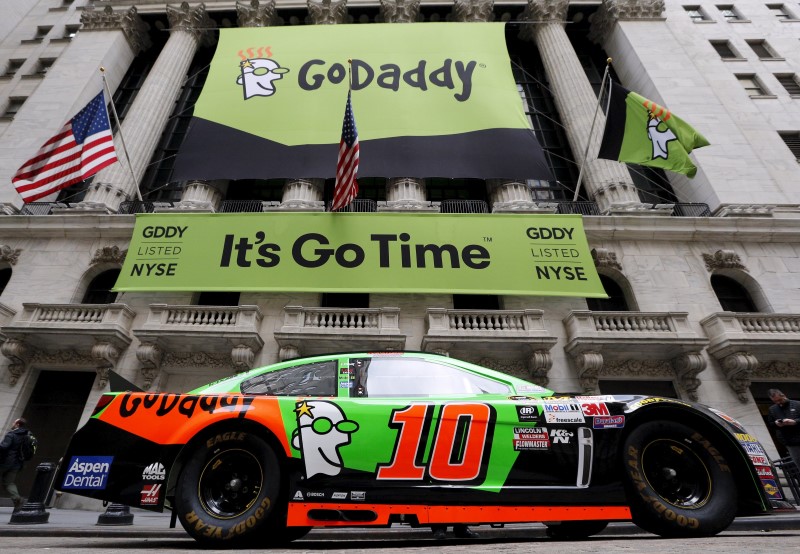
{"points": [[6, 208], [637, 368], [723, 259], [744, 210], [109, 254], [611, 11], [192, 20], [102, 373], [20, 356], [9, 254], [149, 355], [590, 364], [327, 12], [406, 194], [255, 13], [243, 357], [687, 366], [540, 363], [192, 360], [473, 11], [288, 352], [605, 258], [739, 368], [544, 11], [637, 208], [106, 354], [399, 11], [200, 196], [778, 369], [128, 22]]}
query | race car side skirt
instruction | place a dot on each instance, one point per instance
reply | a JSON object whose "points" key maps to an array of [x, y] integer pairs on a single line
{"points": [[305, 514]]}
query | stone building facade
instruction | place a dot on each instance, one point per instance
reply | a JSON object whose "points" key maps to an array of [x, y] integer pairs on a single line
{"points": [[703, 274]]}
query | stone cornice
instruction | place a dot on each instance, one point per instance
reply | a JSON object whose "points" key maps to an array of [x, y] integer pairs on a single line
{"points": [[611, 11], [128, 22], [399, 11], [473, 10]]}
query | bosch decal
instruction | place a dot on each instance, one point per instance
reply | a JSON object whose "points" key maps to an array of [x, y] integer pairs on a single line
{"points": [[88, 472]]}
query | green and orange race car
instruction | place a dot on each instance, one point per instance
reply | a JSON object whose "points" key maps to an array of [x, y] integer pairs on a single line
{"points": [[373, 439]]}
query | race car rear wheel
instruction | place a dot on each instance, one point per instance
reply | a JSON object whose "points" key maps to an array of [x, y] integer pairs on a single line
{"points": [[679, 483], [228, 489]]}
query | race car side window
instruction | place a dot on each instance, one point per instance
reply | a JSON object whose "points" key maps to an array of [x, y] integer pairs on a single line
{"points": [[422, 378], [317, 379]]}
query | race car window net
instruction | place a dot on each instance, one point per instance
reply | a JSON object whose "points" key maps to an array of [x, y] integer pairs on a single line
{"points": [[316, 379], [422, 378]]}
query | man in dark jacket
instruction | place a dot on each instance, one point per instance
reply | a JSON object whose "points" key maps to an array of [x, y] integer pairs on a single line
{"points": [[784, 417], [11, 460]]}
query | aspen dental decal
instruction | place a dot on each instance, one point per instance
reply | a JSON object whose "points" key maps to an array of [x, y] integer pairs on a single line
{"points": [[430, 100], [545, 255]]}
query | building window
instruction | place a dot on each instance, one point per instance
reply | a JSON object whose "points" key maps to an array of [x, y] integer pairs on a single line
{"points": [[41, 32], [44, 65], [696, 13], [781, 12], [732, 296], [790, 82], [792, 140], [70, 31], [752, 85], [730, 13], [762, 49], [12, 67], [99, 290], [14, 104], [616, 297], [725, 50], [5, 277]]}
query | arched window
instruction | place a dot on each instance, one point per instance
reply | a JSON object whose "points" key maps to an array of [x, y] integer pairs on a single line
{"points": [[616, 298], [99, 290], [5, 277], [732, 296]]}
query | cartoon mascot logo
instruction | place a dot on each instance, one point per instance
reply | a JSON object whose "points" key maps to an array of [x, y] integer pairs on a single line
{"points": [[258, 75], [660, 138], [322, 429]]}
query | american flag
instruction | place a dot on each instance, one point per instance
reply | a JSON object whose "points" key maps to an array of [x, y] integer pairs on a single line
{"points": [[346, 187], [81, 148]]}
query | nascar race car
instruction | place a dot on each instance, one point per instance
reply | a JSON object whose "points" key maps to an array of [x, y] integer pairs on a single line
{"points": [[372, 439]]}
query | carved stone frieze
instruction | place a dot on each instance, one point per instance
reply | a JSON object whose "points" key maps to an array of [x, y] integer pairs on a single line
{"points": [[20, 356], [64, 357], [109, 254], [605, 258], [256, 13], [193, 20], [739, 368], [778, 369], [513, 367], [197, 359], [327, 12], [637, 368], [128, 22], [467, 11], [687, 367], [611, 11], [9, 254], [399, 11], [723, 259]]}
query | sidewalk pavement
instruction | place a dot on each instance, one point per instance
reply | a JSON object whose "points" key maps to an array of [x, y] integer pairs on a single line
{"points": [[82, 523]]}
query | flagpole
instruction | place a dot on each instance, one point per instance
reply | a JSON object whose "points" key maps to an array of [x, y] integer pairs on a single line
{"points": [[591, 130], [119, 130]]}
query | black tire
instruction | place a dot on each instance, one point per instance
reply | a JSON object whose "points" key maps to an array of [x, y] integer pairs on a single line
{"points": [[228, 490], [678, 482], [574, 530]]}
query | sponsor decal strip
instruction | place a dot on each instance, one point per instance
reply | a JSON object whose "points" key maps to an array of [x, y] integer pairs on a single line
{"points": [[298, 513]]}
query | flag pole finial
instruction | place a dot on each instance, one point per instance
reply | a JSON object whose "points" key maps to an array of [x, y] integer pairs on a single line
{"points": [[608, 61]]}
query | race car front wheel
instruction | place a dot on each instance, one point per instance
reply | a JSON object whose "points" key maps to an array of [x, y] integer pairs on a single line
{"points": [[679, 483], [228, 489]]}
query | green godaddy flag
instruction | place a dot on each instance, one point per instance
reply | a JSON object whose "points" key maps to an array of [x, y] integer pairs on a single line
{"points": [[640, 131]]}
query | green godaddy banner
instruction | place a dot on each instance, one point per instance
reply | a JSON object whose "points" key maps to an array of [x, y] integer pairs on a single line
{"points": [[352, 252], [429, 100]]}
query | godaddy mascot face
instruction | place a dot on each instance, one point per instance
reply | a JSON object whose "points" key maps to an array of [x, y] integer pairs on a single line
{"points": [[258, 75], [321, 429]]}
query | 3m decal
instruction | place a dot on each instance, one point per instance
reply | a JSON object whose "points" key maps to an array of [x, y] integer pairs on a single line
{"points": [[609, 422], [151, 494], [88, 472], [594, 409], [154, 472], [460, 443], [322, 429]]}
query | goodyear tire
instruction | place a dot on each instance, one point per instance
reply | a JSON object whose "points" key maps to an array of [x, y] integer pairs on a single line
{"points": [[678, 482], [572, 530], [228, 489]]}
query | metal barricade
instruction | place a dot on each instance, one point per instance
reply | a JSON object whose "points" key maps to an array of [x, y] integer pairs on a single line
{"points": [[792, 474]]}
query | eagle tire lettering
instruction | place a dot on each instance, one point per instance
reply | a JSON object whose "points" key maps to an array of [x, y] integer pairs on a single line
{"points": [[228, 490], [678, 483]]}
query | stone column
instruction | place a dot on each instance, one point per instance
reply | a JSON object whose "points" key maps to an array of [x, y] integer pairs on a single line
{"points": [[149, 112], [606, 182], [403, 193]]}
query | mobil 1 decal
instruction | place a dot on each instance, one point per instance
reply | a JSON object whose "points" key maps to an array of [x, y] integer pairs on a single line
{"points": [[444, 443]]}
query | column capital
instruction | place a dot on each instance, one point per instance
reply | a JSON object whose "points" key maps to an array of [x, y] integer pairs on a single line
{"points": [[193, 20], [399, 11], [327, 12], [611, 11], [542, 11], [473, 11], [255, 13], [128, 22]]}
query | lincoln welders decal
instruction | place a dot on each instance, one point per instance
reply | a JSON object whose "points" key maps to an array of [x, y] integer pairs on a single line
{"points": [[322, 428]]}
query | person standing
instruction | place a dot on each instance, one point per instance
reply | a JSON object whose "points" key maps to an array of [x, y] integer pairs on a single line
{"points": [[11, 459], [784, 417]]}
